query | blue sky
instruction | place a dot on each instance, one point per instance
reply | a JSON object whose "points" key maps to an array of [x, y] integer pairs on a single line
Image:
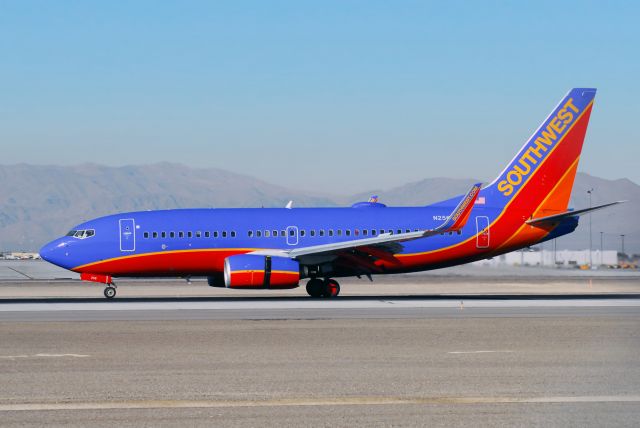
{"points": [[332, 96]]}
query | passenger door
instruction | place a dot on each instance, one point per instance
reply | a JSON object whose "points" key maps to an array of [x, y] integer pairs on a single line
{"points": [[127, 234], [482, 232]]}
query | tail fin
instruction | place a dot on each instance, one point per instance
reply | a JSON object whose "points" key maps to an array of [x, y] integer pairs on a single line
{"points": [[540, 177]]}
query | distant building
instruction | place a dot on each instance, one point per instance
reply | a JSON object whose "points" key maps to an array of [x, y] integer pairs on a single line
{"points": [[559, 258], [21, 255]]}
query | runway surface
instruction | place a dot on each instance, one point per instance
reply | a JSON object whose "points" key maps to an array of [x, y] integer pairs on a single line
{"points": [[306, 308], [294, 361]]}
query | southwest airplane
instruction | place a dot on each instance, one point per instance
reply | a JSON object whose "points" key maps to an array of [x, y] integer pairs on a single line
{"points": [[275, 248]]}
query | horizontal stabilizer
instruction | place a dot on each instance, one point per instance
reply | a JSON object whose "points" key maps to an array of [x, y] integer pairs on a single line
{"points": [[558, 217]]}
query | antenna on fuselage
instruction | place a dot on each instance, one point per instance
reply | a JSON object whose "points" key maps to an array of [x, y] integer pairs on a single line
{"points": [[289, 205]]}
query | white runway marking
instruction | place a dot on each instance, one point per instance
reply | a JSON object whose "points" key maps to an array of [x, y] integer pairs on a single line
{"points": [[313, 304], [480, 352], [13, 357], [317, 402], [62, 355]]}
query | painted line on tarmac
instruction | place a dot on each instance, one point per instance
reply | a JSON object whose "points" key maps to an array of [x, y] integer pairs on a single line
{"points": [[13, 357], [315, 402], [314, 304]]}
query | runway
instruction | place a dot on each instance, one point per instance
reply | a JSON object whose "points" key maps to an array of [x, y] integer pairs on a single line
{"points": [[443, 353], [295, 361], [296, 308]]}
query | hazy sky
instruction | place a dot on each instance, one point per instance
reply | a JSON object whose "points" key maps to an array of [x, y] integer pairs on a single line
{"points": [[335, 96]]}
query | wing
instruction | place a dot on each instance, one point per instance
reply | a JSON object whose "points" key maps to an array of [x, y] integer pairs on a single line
{"points": [[386, 244]]}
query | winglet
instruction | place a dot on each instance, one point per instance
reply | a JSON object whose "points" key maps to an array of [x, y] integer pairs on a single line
{"points": [[460, 214]]}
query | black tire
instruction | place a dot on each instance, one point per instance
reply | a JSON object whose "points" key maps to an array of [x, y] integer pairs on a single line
{"points": [[315, 287], [330, 288], [110, 292]]}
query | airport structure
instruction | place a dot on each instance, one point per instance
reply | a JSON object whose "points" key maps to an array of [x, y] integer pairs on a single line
{"points": [[559, 258]]}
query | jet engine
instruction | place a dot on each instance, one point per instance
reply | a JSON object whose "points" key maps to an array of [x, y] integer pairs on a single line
{"points": [[255, 271]]}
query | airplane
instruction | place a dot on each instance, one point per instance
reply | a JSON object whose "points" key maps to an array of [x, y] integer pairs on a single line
{"points": [[276, 248]]}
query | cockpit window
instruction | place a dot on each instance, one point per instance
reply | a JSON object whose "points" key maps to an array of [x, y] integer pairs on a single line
{"points": [[82, 234]]}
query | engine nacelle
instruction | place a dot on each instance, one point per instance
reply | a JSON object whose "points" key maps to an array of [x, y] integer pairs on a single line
{"points": [[255, 271]]}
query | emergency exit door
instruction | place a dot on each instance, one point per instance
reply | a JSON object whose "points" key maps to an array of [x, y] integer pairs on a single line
{"points": [[482, 232]]}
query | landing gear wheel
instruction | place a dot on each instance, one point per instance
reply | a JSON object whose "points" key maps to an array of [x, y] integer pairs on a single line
{"points": [[315, 287], [331, 288], [110, 292]]}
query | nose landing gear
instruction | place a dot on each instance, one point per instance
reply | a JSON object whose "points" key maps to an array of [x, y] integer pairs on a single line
{"points": [[110, 291], [319, 288]]}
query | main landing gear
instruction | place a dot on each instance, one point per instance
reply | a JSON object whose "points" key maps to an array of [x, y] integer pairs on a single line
{"points": [[316, 287], [110, 291]]}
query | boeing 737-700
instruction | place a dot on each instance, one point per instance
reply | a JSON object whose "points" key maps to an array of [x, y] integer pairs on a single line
{"points": [[275, 248]]}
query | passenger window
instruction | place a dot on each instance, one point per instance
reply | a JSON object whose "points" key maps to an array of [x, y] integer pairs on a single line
{"points": [[399, 231], [198, 234], [215, 234], [164, 234], [339, 232], [90, 233], [408, 230], [275, 233], [373, 232], [250, 233], [172, 234], [302, 232], [233, 233], [347, 232], [356, 232], [146, 234], [292, 232], [381, 231], [259, 233], [207, 234], [321, 232], [365, 232], [330, 232], [390, 232], [312, 232], [155, 234], [180, 234], [189, 234], [224, 233], [266, 234]]}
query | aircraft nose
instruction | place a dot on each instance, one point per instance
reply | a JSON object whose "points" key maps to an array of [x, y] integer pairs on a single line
{"points": [[54, 252]]}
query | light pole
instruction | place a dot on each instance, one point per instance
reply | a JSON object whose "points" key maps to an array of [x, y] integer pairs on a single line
{"points": [[622, 237], [590, 191], [601, 247]]}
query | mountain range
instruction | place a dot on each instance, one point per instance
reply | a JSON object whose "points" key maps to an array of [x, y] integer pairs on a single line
{"points": [[39, 203]]}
